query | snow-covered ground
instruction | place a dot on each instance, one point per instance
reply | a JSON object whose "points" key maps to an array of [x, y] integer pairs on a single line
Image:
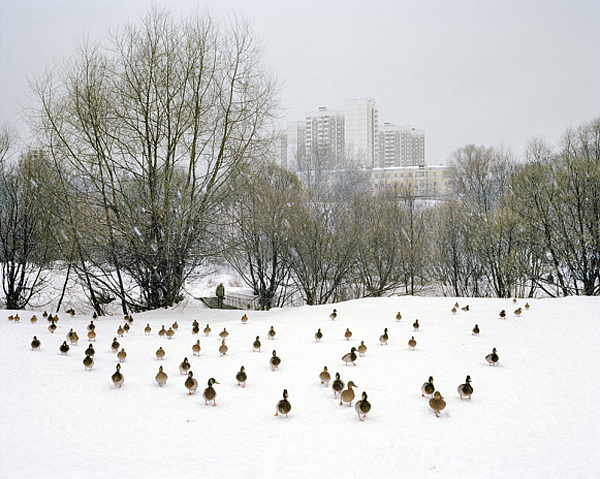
{"points": [[535, 415]]}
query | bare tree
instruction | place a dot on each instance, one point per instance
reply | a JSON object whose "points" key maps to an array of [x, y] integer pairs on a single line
{"points": [[255, 244], [25, 246], [153, 126]]}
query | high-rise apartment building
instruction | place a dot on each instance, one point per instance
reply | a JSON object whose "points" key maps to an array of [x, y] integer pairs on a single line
{"points": [[361, 130], [335, 139], [324, 137], [401, 146]]}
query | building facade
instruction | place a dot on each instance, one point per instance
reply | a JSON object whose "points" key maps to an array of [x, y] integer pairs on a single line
{"points": [[401, 146], [420, 181], [337, 139], [361, 132], [324, 137]]}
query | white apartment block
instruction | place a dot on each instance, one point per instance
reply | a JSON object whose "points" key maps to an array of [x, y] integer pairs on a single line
{"points": [[334, 139], [401, 146], [324, 137], [420, 181], [361, 130]]}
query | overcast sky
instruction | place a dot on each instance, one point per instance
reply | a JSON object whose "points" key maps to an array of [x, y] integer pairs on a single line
{"points": [[493, 73]]}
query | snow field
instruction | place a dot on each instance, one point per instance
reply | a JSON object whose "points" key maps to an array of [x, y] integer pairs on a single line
{"points": [[533, 415]]}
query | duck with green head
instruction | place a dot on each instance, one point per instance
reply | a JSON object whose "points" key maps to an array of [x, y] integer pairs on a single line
{"points": [[209, 394], [283, 406], [362, 406], [350, 357], [465, 389]]}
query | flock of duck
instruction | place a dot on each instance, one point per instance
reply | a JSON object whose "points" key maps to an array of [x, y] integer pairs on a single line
{"points": [[283, 406]]}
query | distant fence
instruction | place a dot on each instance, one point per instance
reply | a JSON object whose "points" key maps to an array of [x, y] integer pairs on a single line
{"points": [[238, 300]]}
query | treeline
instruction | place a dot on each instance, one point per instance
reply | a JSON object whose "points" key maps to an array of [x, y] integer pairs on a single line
{"points": [[510, 228], [150, 157]]}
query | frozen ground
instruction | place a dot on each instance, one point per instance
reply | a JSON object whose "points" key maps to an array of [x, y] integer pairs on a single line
{"points": [[535, 415]]}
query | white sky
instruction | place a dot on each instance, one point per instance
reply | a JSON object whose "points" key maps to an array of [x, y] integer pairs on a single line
{"points": [[494, 73]]}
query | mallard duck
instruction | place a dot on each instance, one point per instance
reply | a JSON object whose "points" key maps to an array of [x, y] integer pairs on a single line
{"points": [[209, 394], [416, 325], [274, 361], [466, 389], [33, 319], [325, 377], [318, 335], [428, 387], [160, 353], [398, 316], [244, 319], [70, 334], [241, 377], [256, 345], [527, 306], [348, 394], [362, 348], [476, 330], [502, 314], [91, 335], [11, 318], [52, 327], [74, 338], [223, 334], [337, 385], [272, 333], [115, 345], [90, 351], [283, 405], [454, 310], [465, 308], [45, 314], [456, 305], [121, 355], [518, 312], [350, 357], [117, 377], [333, 315], [196, 348], [492, 358], [175, 326], [412, 344], [223, 348], [17, 318], [147, 329], [437, 403], [64, 348], [514, 300], [185, 366], [163, 332], [383, 339], [91, 326], [362, 406], [88, 362], [126, 327], [207, 330], [161, 377], [55, 318], [95, 315], [120, 331], [35, 343], [195, 329], [170, 333], [195, 323], [191, 384], [348, 334]]}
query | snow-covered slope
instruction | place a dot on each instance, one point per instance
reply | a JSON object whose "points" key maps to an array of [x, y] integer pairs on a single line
{"points": [[535, 415]]}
